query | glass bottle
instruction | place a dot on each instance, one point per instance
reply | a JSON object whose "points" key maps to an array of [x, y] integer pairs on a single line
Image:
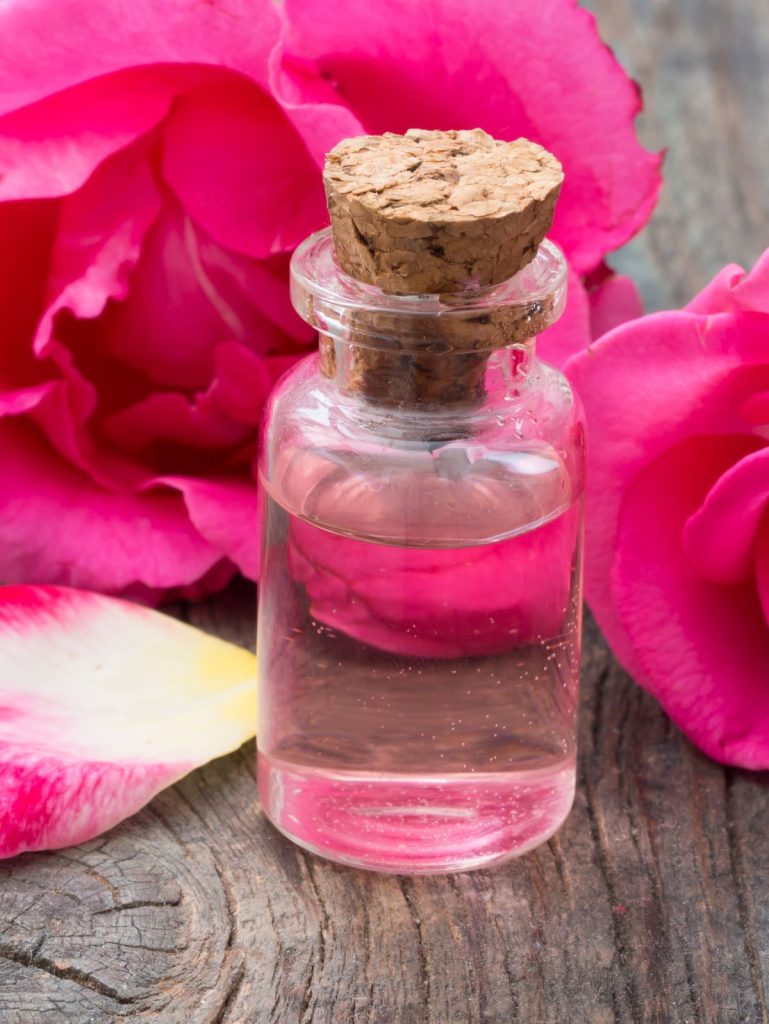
{"points": [[420, 596]]}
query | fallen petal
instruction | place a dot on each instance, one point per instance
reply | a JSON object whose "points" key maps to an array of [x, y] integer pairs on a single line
{"points": [[102, 704]]}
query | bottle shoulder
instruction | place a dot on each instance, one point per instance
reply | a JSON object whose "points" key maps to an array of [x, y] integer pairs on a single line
{"points": [[542, 407]]}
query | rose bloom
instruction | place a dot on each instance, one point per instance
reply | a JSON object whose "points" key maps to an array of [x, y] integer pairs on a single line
{"points": [[158, 163], [677, 567]]}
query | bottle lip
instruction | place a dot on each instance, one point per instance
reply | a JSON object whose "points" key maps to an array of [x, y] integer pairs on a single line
{"points": [[320, 286]]}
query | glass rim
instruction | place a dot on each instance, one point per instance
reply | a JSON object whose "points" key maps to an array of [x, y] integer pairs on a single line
{"points": [[318, 281]]}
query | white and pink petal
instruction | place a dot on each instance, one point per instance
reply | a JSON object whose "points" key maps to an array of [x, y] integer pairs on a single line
{"points": [[102, 704]]}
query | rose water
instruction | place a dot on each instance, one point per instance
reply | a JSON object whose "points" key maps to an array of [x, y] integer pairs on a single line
{"points": [[421, 707]]}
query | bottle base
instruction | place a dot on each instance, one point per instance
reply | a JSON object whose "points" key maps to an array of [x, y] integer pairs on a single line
{"points": [[413, 824]]}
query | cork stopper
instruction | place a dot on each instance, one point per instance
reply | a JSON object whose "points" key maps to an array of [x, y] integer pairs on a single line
{"points": [[438, 212], [441, 215]]}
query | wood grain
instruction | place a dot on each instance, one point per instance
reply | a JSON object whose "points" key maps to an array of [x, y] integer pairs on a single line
{"points": [[651, 906]]}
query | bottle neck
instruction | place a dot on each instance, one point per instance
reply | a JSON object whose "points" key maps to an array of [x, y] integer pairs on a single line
{"points": [[432, 377], [424, 351]]}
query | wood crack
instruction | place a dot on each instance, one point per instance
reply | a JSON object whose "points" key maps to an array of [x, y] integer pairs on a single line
{"points": [[304, 1009], [407, 888], [231, 906], [137, 904], [155, 810], [91, 872], [233, 990], [316, 966], [691, 985], [619, 926], [471, 965], [68, 972], [561, 866], [744, 901], [512, 981], [367, 962], [647, 858]]}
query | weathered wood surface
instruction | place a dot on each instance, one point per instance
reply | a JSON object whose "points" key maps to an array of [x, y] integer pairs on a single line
{"points": [[651, 906]]}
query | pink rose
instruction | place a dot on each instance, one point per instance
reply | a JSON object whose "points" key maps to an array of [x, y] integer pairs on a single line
{"points": [[158, 162], [152, 187], [678, 508]]}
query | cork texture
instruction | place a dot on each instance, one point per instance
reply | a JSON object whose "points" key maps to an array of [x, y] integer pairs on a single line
{"points": [[438, 212]]}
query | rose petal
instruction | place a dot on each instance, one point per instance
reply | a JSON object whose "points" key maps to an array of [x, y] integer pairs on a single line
{"points": [[720, 537], [100, 233], [244, 380], [513, 69], [57, 526], [187, 296], [733, 290], [45, 48], [173, 418], [241, 170], [102, 704], [97, 242], [718, 295], [225, 512], [701, 648], [171, 320], [762, 567], [590, 312], [613, 302], [257, 291], [755, 410], [16, 403], [27, 232], [312, 104], [52, 147], [752, 291]]}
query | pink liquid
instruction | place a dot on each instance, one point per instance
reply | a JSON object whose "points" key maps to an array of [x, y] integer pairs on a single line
{"points": [[418, 699]]}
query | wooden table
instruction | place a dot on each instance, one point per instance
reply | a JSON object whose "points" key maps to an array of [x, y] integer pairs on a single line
{"points": [[652, 903]]}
